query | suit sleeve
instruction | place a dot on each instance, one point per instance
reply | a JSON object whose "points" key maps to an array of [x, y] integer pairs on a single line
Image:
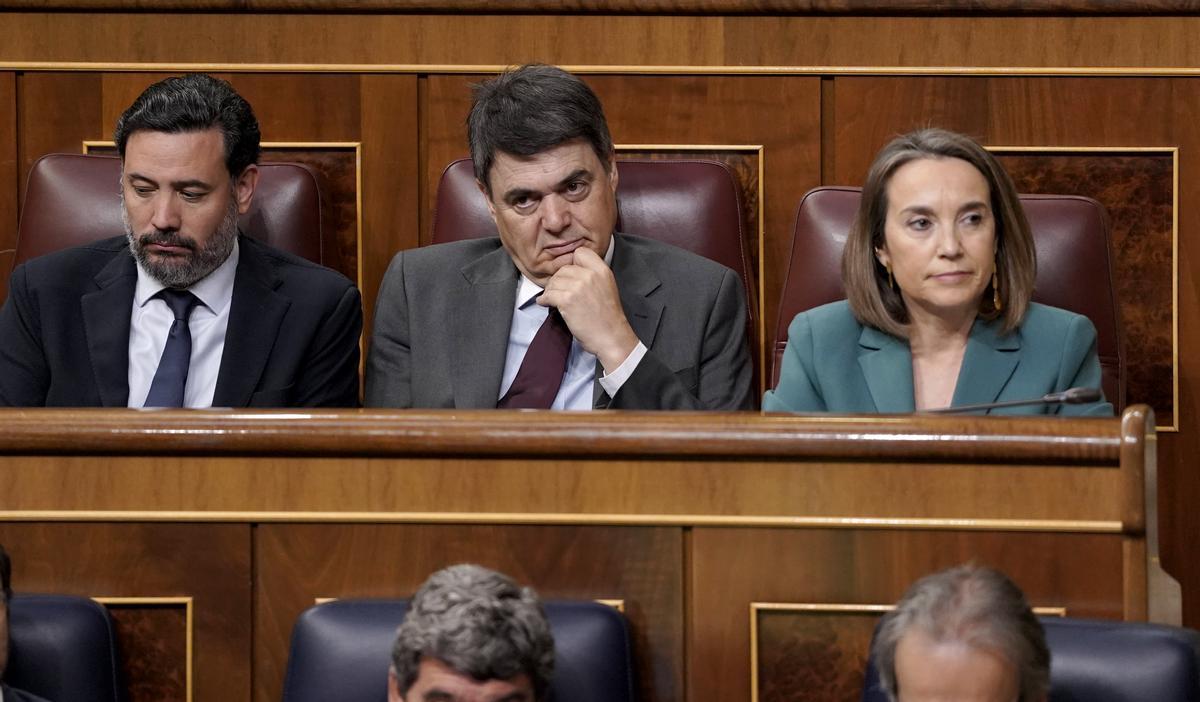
{"points": [[24, 372], [796, 391], [330, 374], [1080, 367], [724, 374], [389, 380]]}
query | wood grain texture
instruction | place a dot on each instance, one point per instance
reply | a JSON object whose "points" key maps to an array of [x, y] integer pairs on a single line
{"points": [[390, 197], [733, 568], [153, 641], [817, 7], [295, 564], [209, 562], [10, 175]]}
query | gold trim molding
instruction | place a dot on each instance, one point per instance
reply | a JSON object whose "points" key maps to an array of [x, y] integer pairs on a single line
{"points": [[189, 614], [680, 520], [623, 69]]}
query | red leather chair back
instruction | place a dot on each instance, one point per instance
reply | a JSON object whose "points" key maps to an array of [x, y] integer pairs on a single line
{"points": [[73, 199], [693, 204], [1073, 260]]}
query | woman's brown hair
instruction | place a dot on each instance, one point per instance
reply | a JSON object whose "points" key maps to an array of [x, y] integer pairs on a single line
{"points": [[876, 303]]}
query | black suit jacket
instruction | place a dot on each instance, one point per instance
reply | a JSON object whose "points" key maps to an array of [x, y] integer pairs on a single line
{"points": [[292, 339], [11, 694]]}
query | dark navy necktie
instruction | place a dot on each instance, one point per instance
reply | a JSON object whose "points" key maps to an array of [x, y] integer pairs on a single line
{"points": [[542, 369], [166, 390]]}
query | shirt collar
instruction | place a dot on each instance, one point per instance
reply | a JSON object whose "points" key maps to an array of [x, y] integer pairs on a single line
{"points": [[214, 290], [528, 290]]}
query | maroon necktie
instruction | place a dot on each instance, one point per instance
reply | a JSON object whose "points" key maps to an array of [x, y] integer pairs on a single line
{"points": [[542, 369]]}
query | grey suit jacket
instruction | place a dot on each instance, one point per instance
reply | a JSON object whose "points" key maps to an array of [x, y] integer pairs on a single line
{"points": [[444, 312], [292, 339]]}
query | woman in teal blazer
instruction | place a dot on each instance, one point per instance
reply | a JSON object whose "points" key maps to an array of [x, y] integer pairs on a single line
{"points": [[938, 269]]}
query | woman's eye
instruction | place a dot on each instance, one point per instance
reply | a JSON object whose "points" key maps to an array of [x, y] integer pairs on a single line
{"points": [[974, 219], [920, 223]]}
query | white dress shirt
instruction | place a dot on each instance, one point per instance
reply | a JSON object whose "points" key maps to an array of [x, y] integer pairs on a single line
{"points": [[151, 321], [575, 393]]}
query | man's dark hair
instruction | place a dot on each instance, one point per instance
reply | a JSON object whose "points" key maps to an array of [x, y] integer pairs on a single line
{"points": [[193, 103], [529, 109], [480, 623], [5, 576]]}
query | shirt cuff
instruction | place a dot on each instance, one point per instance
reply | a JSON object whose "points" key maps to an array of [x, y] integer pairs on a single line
{"points": [[612, 382]]}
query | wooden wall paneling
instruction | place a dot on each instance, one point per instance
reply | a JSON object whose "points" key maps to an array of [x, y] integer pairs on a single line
{"points": [[390, 198], [208, 562], [733, 568], [9, 176], [779, 114], [56, 113], [1076, 112], [327, 38], [296, 563], [752, 39]]}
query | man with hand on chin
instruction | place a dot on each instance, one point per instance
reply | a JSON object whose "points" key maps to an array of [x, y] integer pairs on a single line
{"points": [[561, 311], [181, 311]]}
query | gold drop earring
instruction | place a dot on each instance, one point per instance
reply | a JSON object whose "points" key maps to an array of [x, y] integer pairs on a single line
{"points": [[996, 302], [891, 283]]}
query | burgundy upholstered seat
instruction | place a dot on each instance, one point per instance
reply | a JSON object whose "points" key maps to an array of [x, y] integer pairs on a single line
{"points": [[73, 199], [1073, 258]]}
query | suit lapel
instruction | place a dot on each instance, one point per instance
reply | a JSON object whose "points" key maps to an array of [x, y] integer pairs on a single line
{"points": [[256, 312], [106, 319], [635, 283], [988, 363], [480, 318], [886, 364]]}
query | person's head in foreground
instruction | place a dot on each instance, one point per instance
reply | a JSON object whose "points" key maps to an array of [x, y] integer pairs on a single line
{"points": [[472, 635], [940, 238], [188, 148], [544, 160], [965, 634]]}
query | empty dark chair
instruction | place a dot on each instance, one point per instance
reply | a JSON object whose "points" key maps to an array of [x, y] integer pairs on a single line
{"points": [[341, 650], [1074, 268], [64, 649], [73, 199], [1108, 661]]}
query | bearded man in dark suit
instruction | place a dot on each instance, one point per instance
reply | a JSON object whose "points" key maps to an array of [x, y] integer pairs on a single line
{"points": [[181, 311]]}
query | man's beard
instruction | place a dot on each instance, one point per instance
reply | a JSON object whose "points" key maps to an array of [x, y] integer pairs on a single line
{"points": [[183, 271]]}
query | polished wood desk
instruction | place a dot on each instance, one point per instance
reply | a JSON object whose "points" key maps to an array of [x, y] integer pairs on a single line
{"points": [[751, 554]]}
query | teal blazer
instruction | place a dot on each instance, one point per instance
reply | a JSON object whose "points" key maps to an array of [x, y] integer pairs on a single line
{"points": [[835, 364]]}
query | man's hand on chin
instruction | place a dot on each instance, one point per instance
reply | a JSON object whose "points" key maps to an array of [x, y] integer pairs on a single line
{"points": [[585, 293]]}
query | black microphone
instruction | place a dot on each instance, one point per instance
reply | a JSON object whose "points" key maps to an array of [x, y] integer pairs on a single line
{"points": [[1072, 396]]}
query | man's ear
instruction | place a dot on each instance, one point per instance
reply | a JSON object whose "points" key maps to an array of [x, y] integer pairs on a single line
{"points": [[394, 687], [487, 197], [243, 187], [612, 172]]}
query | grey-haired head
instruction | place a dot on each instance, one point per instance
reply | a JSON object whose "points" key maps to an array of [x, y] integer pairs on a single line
{"points": [[974, 607], [480, 624]]}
